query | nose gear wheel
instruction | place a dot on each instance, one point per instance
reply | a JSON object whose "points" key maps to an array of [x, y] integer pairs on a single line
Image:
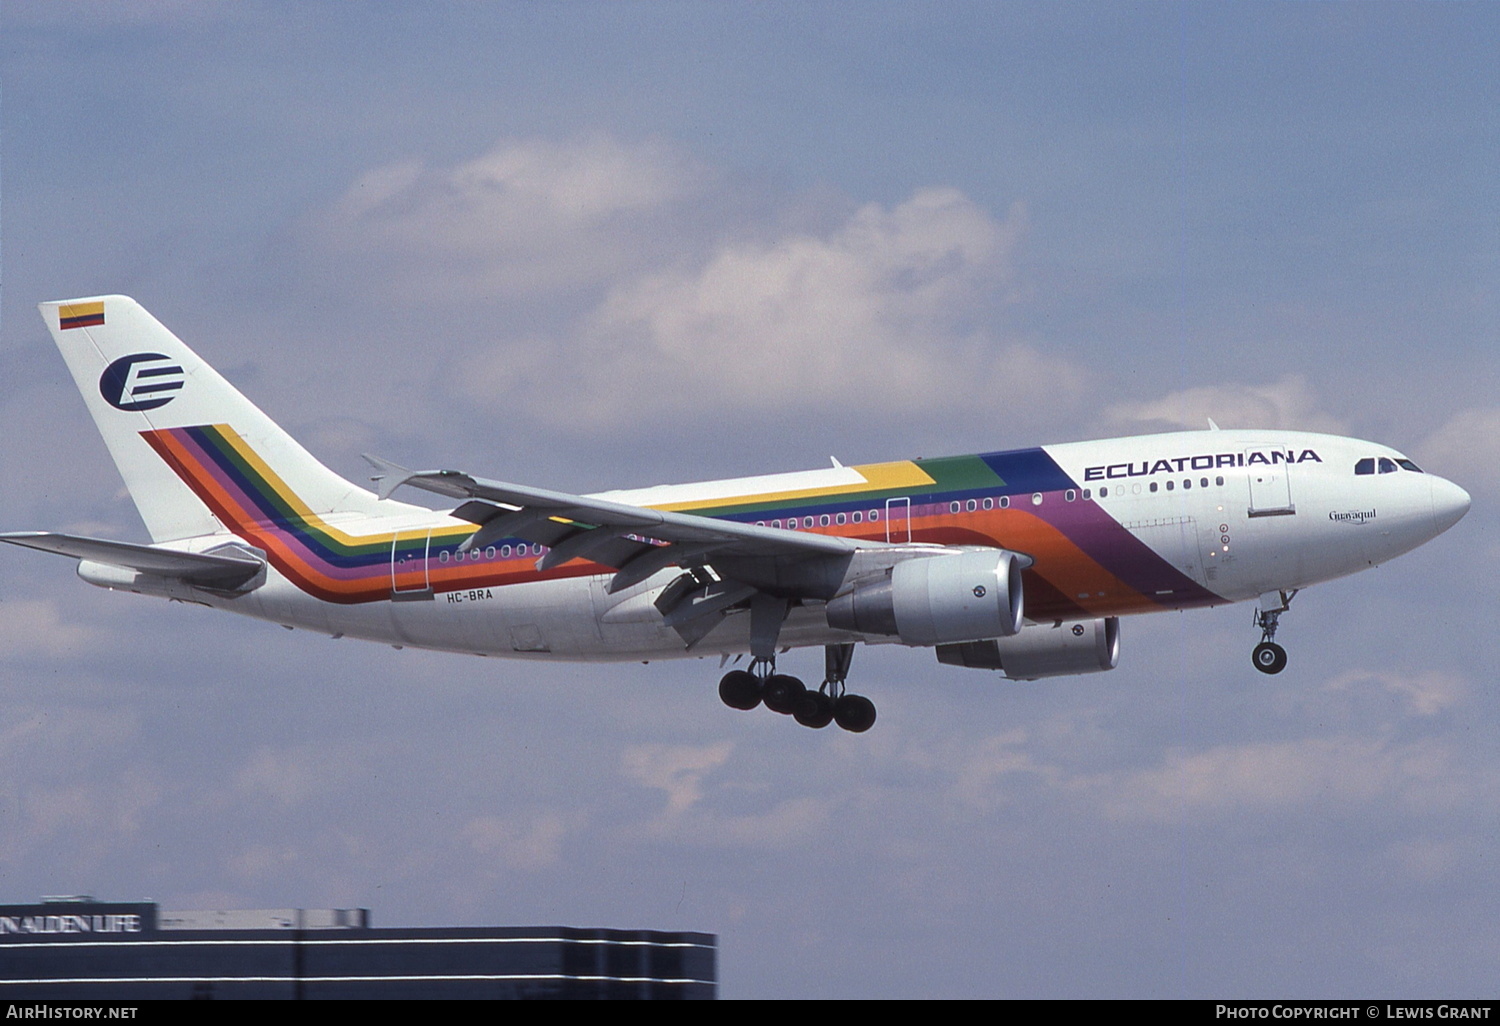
{"points": [[1268, 656]]}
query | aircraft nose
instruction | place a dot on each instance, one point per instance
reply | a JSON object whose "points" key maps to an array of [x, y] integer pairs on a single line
{"points": [[1449, 504]]}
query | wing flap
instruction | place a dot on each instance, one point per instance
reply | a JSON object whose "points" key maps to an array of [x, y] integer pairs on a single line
{"points": [[635, 540]]}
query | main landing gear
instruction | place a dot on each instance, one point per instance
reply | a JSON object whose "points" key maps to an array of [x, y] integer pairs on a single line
{"points": [[785, 694], [1268, 656]]}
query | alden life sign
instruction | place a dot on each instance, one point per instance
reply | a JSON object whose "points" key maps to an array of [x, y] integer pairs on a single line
{"points": [[107, 922]]}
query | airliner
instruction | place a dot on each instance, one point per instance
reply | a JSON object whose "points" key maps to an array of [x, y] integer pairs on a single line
{"points": [[1020, 562]]}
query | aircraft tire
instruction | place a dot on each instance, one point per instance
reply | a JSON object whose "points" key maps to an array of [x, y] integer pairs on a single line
{"points": [[782, 692], [855, 713], [814, 709], [1269, 657], [739, 690]]}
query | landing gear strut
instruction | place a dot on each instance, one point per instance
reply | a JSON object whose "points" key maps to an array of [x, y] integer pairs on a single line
{"points": [[785, 694], [1268, 656]]}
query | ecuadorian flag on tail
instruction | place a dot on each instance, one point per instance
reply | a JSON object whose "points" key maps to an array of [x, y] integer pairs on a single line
{"points": [[80, 315]]}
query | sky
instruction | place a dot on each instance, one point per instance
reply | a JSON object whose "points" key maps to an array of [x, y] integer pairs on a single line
{"points": [[602, 245]]}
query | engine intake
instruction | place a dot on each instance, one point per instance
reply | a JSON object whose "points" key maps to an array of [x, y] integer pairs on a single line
{"points": [[936, 600]]}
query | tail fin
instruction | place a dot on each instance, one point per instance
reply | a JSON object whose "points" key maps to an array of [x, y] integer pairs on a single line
{"points": [[156, 404]]}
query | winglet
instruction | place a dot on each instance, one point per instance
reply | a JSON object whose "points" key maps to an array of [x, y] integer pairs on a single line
{"points": [[391, 476], [1211, 425]]}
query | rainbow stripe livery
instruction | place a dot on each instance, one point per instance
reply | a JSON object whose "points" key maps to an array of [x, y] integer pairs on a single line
{"points": [[1017, 561]]}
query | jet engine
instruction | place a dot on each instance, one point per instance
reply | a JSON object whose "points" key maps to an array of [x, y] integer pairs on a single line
{"points": [[1043, 650], [935, 600]]}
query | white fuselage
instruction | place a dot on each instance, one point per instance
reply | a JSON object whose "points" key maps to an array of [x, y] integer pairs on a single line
{"points": [[1132, 525]]}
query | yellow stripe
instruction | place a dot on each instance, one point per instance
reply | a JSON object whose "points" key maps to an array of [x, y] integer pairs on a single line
{"points": [[902, 474], [69, 310], [305, 513], [877, 477]]}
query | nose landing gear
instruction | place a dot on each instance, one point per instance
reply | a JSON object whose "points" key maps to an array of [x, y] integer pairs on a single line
{"points": [[1268, 656]]}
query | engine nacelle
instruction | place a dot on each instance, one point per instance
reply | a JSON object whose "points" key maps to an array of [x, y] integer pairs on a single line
{"points": [[1043, 650], [936, 600]]}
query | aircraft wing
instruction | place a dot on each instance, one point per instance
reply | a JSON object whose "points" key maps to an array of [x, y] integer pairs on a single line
{"points": [[225, 569], [635, 540]]}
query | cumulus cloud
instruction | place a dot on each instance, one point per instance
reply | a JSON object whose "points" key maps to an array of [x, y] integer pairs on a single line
{"points": [[987, 774], [1466, 449], [692, 817], [1424, 694], [292, 777], [1288, 776], [635, 281], [881, 311], [1287, 404], [33, 627], [788, 823], [529, 217], [263, 861], [675, 769], [517, 842]]}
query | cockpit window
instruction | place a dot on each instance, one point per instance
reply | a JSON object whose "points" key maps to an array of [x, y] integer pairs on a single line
{"points": [[1387, 466], [1409, 465], [1365, 466]]}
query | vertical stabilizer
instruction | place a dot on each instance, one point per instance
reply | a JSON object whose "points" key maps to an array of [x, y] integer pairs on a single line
{"points": [[140, 382]]}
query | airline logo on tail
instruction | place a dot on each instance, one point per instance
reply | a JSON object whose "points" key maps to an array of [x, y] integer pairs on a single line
{"points": [[141, 381]]}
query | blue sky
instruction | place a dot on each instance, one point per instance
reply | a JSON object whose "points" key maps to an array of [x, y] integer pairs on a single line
{"points": [[592, 246]]}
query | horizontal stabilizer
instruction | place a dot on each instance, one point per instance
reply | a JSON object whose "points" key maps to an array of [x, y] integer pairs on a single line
{"points": [[222, 570]]}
